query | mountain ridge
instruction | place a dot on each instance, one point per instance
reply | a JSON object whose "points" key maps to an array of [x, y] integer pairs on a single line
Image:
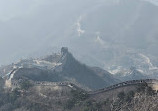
{"points": [[61, 68]]}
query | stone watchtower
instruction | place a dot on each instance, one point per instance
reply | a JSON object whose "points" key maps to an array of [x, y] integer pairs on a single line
{"points": [[64, 50]]}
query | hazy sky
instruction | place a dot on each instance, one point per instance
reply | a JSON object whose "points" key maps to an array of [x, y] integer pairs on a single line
{"points": [[10, 9], [29, 27]]}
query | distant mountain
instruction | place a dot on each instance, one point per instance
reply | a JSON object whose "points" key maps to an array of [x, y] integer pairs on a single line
{"points": [[132, 74], [1, 83], [145, 64], [99, 33], [61, 68], [155, 2]]}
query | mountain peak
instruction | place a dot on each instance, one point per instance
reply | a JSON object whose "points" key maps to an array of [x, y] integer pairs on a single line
{"points": [[64, 50]]}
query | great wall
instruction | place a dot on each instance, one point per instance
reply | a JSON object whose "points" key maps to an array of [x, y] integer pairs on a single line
{"points": [[15, 83], [152, 82]]}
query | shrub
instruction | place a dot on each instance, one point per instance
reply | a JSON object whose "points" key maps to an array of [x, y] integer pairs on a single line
{"points": [[25, 85], [121, 95]]}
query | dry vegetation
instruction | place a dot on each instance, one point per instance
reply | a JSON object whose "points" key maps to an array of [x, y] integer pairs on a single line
{"points": [[62, 98]]}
